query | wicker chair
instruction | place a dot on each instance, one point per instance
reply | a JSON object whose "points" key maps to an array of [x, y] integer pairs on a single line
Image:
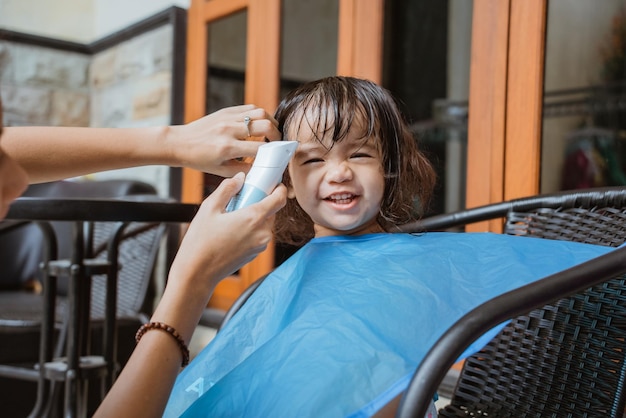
{"points": [[21, 312], [567, 357]]}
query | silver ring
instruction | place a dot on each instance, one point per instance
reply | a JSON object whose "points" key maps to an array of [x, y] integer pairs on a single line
{"points": [[246, 121]]}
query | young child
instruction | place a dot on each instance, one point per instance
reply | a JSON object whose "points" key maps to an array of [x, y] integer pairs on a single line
{"points": [[357, 169], [338, 329]]}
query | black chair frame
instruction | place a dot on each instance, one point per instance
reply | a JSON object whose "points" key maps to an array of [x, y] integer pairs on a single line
{"points": [[594, 216], [447, 350], [76, 367]]}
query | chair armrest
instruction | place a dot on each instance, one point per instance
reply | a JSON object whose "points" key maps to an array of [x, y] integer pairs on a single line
{"points": [[457, 338], [600, 197]]}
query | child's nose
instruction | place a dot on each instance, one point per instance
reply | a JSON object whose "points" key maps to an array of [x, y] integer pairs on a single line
{"points": [[339, 173]]}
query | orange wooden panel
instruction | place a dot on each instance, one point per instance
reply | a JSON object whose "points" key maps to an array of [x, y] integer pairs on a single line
{"points": [[218, 9], [263, 54], [346, 38], [487, 104], [263, 89], [359, 52], [226, 292], [195, 86], [368, 61], [525, 98], [199, 14]]}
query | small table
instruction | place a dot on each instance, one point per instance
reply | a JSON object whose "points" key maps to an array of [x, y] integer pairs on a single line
{"points": [[77, 367]]}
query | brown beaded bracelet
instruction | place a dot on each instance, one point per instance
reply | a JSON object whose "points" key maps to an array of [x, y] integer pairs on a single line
{"points": [[170, 330]]}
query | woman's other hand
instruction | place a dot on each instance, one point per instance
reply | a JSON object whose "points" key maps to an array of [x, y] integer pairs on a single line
{"points": [[217, 142], [218, 243]]}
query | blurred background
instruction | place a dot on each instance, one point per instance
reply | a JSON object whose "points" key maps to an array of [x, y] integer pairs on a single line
{"points": [[508, 98], [92, 63]]}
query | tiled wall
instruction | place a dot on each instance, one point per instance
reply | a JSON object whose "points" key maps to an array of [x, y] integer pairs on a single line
{"points": [[43, 86], [128, 84]]}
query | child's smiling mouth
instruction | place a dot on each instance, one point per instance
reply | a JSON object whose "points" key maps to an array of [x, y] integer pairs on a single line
{"points": [[341, 198]]}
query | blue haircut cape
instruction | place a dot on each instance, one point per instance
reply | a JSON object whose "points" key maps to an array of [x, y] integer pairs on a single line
{"points": [[340, 327]]}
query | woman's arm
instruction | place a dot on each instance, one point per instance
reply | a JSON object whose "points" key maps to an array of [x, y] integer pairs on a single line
{"points": [[215, 245], [209, 144]]}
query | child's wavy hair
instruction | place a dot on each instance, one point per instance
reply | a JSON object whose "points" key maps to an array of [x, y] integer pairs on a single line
{"points": [[339, 103]]}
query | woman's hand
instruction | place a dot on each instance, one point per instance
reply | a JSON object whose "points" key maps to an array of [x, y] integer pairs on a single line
{"points": [[218, 243], [214, 143]]}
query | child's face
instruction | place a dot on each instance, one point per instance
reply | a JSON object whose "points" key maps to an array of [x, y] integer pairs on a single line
{"points": [[341, 189]]}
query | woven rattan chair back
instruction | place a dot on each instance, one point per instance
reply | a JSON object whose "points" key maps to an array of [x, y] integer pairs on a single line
{"points": [[137, 258], [568, 358]]}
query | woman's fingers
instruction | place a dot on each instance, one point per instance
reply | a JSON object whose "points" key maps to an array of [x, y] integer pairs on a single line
{"points": [[256, 122], [222, 143]]}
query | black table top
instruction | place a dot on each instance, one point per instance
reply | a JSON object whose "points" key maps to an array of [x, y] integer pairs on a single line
{"points": [[141, 208]]}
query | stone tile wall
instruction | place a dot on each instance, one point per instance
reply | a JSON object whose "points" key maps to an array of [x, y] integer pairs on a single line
{"points": [[126, 85], [130, 83], [130, 86], [43, 86]]}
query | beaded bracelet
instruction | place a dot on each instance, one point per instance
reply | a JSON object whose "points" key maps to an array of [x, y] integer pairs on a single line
{"points": [[170, 330]]}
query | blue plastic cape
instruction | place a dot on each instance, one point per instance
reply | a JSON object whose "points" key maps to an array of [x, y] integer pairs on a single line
{"points": [[340, 327]]}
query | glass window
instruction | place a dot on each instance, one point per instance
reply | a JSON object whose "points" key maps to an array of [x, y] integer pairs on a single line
{"points": [[309, 41], [227, 61], [583, 140], [225, 70], [427, 59]]}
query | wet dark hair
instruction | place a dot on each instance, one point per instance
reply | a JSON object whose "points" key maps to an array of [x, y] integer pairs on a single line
{"points": [[341, 103]]}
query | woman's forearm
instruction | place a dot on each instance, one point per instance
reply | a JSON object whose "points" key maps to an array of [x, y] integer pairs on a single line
{"points": [[212, 144], [54, 153], [143, 388]]}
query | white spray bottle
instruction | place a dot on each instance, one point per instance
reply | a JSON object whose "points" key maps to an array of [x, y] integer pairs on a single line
{"points": [[265, 174]]}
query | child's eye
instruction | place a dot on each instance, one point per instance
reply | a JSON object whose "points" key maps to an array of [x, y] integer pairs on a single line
{"points": [[312, 160], [360, 155]]}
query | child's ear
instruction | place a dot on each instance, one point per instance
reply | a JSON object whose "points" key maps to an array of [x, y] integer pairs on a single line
{"points": [[291, 193]]}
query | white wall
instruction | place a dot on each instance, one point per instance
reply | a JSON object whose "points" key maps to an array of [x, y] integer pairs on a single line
{"points": [[81, 21], [108, 18], [84, 21], [70, 20]]}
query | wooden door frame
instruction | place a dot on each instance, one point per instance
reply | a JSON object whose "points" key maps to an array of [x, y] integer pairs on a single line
{"points": [[505, 102], [262, 63], [261, 88], [359, 54], [360, 43]]}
